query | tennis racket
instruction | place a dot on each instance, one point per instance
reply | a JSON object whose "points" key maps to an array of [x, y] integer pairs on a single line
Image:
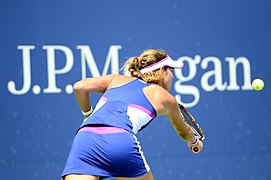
{"points": [[191, 121]]}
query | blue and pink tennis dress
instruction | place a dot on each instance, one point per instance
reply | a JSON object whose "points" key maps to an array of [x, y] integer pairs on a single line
{"points": [[105, 144]]}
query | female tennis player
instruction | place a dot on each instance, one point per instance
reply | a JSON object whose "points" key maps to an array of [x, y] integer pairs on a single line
{"points": [[106, 144]]}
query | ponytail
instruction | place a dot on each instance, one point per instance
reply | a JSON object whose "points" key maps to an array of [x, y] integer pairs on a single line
{"points": [[147, 58]]}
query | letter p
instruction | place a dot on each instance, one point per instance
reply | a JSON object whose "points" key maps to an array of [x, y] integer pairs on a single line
{"points": [[52, 71]]}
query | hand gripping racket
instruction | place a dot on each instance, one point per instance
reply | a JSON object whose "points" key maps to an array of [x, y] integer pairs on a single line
{"points": [[193, 124]]}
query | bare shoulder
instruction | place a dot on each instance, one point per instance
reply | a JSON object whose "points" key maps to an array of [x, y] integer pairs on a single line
{"points": [[119, 80], [160, 98]]}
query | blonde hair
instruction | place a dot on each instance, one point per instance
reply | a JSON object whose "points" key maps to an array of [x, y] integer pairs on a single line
{"points": [[147, 58]]}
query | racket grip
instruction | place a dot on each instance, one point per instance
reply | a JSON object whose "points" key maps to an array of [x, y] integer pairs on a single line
{"points": [[195, 149]]}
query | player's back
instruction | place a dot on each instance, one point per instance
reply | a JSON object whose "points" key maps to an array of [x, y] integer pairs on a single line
{"points": [[124, 106]]}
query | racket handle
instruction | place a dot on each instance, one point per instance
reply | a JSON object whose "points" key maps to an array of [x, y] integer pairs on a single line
{"points": [[195, 149]]}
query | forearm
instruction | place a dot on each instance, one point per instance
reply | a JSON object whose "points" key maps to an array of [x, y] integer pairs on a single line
{"points": [[190, 136], [181, 127], [186, 134], [96, 85], [82, 97]]}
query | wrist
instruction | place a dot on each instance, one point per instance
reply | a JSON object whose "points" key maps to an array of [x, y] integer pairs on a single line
{"points": [[88, 112], [196, 139]]}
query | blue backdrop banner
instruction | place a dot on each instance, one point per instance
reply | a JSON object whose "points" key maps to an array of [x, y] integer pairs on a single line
{"points": [[46, 46]]}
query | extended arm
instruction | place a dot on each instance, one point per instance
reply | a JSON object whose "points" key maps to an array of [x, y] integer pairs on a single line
{"points": [[195, 145], [174, 115], [166, 104]]}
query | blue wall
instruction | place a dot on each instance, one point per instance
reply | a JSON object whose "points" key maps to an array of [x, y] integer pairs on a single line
{"points": [[46, 46]]}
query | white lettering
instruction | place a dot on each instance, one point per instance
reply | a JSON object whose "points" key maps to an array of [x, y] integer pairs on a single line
{"points": [[52, 71], [88, 58], [187, 89], [113, 57], [233, 73], [26, 72], [216, 72], [211, 79]]}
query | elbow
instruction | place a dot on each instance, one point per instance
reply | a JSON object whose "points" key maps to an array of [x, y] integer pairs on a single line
{"points": [[78, 86]]}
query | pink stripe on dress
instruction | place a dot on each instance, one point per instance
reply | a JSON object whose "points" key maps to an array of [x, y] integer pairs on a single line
{"points": [[142, 109], [102, 130], [103, 98]]}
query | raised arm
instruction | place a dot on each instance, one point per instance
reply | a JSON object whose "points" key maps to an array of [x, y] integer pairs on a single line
{"points": [[84, 86]]}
